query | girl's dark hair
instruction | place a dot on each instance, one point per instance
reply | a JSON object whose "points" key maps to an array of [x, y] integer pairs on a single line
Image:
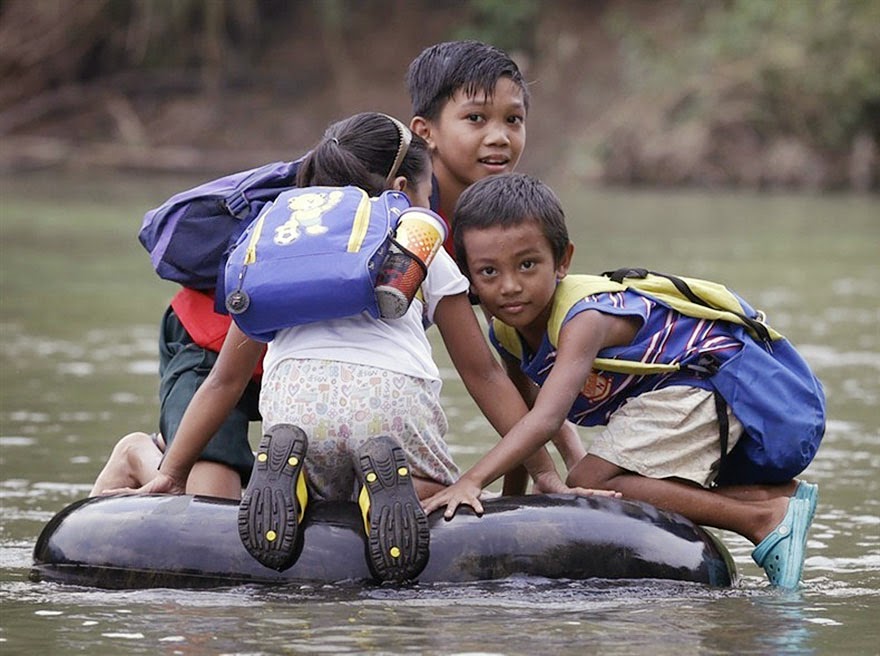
{"points": [[361, 150], [508, 200]]}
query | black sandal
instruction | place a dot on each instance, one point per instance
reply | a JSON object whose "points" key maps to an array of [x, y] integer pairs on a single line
{"points": [[397, 530], [273, 504]]}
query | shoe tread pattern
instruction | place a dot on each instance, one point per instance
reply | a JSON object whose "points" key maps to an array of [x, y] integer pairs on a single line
{"points": [[269, 503], [396, 516]]}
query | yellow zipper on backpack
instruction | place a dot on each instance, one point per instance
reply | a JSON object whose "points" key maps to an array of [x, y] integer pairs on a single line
{"points": [[361, 223], [250, 255]]}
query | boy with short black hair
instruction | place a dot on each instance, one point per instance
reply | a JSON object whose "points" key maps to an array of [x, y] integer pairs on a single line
{"points": [[444, 69], [670, 382], [469, 102]]}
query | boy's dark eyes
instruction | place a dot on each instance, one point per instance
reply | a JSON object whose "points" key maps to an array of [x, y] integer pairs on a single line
{"points": [[527, 264], [479, 118]]}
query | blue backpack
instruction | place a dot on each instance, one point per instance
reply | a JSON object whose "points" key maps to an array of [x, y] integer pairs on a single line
{"points": [[311, 255], [189, 235], [768, 385]]}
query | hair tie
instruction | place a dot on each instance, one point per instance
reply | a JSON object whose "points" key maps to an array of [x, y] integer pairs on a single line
{"points": [[403, 147]]}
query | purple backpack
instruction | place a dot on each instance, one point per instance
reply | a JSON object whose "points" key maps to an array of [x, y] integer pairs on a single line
{"points": [[190, 235]]}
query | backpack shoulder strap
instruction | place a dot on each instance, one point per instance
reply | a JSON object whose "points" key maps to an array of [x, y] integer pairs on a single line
{"points": [[697, 298], [507, 337], [264, 182], [572, 289], [569, 291]]}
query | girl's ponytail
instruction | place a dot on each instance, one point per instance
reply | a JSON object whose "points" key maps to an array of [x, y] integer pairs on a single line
{"points": [[367, 150]]}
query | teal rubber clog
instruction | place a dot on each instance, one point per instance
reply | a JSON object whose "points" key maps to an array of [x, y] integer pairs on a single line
{"points": [[782, 552], [810, 493]]}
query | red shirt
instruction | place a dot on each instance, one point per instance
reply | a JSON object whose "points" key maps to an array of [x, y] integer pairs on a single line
{"points": [[195, 309]]}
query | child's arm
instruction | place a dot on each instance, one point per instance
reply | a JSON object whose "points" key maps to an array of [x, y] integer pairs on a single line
{"points": [[567, 440], [580, 341], [207, 410], [485, 378], [569, 444]]}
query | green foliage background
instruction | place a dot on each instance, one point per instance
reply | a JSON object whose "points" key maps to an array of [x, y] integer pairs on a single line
{"points": [[797, 81], [812, 67]]}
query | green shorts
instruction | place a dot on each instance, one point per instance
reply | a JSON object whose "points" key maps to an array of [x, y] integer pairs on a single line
{"points": [[183, 367]]}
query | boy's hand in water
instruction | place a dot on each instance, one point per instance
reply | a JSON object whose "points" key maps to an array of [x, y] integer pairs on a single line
{"points": [[161, 484]]}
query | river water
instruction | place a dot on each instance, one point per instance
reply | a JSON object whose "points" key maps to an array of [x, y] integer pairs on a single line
{"points": [[79, 307]]}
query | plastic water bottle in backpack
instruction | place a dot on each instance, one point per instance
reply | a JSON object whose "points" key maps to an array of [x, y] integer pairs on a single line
{"points": [[420, 235]]}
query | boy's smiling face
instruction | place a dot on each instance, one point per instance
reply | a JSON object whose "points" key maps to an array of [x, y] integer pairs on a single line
{"points": [[513, 272], [475, 136]]}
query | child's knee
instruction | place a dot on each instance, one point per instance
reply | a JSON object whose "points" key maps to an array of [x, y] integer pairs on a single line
{"points": [[129, 464], [133, 440], [426, 487], [129, 449]]}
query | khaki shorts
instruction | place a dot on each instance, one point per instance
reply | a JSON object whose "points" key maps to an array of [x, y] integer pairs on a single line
{"points": [[668, 433]]}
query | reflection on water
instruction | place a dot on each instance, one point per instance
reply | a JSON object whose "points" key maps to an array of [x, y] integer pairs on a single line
{"points": [[515, 616], [78, 371]]}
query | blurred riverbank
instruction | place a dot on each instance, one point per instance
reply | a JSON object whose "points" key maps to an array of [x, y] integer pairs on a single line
{"points": [[624, 92]]}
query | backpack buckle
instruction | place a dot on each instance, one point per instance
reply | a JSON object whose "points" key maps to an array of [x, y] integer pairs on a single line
{"points": [[237, 205], [706, 365], [626, 272]]}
